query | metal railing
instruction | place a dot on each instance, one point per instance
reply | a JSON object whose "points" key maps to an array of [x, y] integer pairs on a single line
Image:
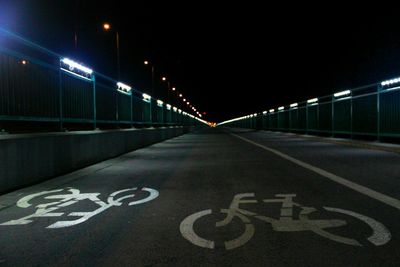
{"points": [[371, 110], [38, 85]]}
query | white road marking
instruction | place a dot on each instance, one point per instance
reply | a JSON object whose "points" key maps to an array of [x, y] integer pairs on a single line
{"points": [[356, 187], [66, 200], [380, 235], [188, 233]]}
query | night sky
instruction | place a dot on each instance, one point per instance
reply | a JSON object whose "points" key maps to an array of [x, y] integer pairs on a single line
{"points": [[227, 59]]}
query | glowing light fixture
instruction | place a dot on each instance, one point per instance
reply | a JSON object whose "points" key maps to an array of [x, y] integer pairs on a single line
{"points": [[390, 82], [312, 100], [168, 107], [106, 26], [124, 88], [75, 68], [342, 93], [271, 110], [281, 108], [146, 97], [160, 103], [294, 105], [265, 112]]}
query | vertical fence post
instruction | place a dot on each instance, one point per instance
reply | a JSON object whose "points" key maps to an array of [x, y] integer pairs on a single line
{"points": [[131, 109], [60, 98], [116, 108], [94, 103], [151, 112], [378, 111], [307, 118], [333, 116], [351, 118], [319, 130]]}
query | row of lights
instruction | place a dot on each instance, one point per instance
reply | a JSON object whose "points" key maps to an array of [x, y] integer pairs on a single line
{"points": [[84, 72], [314, 101], [180, 95]]}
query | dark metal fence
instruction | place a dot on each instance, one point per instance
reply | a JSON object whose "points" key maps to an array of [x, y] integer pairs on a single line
{"points": [[372, 110], [38, 85]]}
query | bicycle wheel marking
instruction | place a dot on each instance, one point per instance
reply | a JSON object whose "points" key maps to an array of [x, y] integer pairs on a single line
{"points": [[74, 196], [380, 235], [188, 232], [285, 223]]}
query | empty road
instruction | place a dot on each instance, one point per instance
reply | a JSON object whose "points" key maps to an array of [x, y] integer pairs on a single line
{"points": [[215, 197]]}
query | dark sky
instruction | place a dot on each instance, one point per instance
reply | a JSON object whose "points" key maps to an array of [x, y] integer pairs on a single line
{"points": [[228, 59]]}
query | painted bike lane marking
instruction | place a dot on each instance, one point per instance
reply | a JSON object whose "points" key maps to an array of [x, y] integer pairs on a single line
{"points": [[61, 200], [286, 222], [393, 202]]}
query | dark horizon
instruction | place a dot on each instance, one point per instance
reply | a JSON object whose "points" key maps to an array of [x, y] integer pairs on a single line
{"points": [[228, 61]]}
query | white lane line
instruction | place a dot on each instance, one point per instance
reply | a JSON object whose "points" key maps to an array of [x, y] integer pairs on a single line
{"points": [[356, 187]]}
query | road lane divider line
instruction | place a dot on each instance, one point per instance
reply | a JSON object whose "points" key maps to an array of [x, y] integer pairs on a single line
{"points": [[356, 187]]}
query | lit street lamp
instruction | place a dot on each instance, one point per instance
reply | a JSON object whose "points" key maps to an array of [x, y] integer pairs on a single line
{"points": [[146, 62], [107, 27]]}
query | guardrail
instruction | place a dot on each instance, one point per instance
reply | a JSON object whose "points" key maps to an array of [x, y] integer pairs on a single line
{"points": [[38, 85], [371, 110]]}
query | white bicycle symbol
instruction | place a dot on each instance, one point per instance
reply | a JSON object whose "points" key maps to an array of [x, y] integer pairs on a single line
{"points": [[63, 200], [286, 222]]}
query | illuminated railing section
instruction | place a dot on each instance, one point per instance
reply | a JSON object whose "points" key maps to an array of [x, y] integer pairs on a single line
{"points": [[372, 110], [146, 98], [123, 88], [76, 69]]}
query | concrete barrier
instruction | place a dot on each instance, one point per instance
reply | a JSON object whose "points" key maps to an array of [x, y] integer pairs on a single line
{"points": [[30, 158]]}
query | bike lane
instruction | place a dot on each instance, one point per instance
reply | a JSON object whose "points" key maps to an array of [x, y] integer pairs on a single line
{"points": [[192, 173]]}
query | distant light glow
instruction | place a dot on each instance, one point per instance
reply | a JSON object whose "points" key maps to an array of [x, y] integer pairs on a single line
{"points": [[255, 114], [271, 110], [180, 111], [312, 100], [265, 112], [175, 109], [281, 108], [390, 82], [146, 62], [200, 115], [106, 26], [160, 103], [184, 100], [188, 103], [146, 97], [75, 68], [293, 105], [169, 107], [24, 62], [342, 93], [124, 88], [180, 95], [173, 88], [164, 78]]}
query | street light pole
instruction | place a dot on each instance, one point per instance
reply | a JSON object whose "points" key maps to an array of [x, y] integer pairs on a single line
{"points": [[107, 27], [118, 60], [146, 62]]}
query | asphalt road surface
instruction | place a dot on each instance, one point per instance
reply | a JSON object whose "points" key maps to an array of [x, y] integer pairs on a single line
{"points": [[216, 197]]}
